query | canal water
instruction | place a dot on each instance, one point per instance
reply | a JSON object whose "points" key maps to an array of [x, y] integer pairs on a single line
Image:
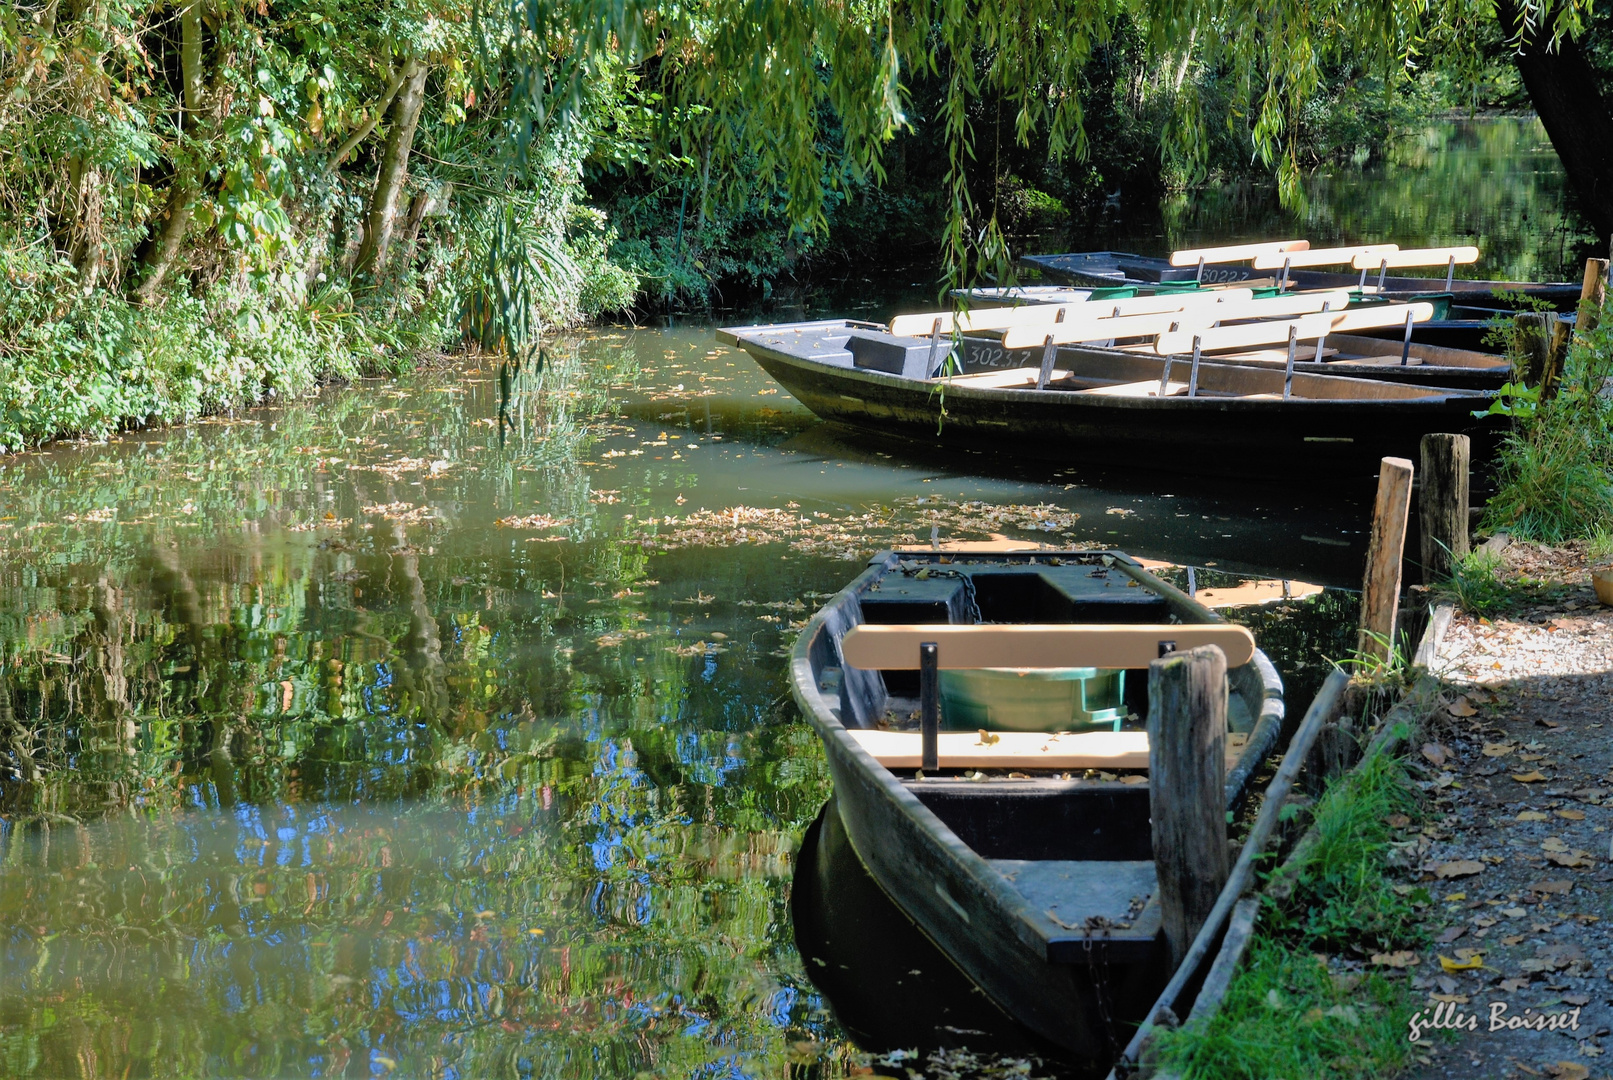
{"points": [[344, 739]]}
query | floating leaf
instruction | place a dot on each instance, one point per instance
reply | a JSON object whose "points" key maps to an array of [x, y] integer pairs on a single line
{"points": [[1458, 868], [1498, 749], [1535, 777], [1568, 1070], [1532, 815], [1436, 754], [1570, 815]]}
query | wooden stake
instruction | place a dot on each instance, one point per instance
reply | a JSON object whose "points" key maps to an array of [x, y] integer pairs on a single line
{"points": [[1380, 588], [1544, 339], [1592, 295], [1187, 726], [1442, 503]]}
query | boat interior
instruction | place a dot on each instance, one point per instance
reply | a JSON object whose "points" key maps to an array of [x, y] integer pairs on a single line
{"points": [[1035, 762]]}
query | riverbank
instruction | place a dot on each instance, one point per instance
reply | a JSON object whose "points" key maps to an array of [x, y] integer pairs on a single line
{"points": [[1517, 855]]}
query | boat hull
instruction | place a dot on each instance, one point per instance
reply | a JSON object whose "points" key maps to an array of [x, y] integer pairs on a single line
{"points": [[1206, 435]]}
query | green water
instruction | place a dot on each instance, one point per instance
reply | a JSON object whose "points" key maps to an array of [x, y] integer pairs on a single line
{"points": [[338, 740]]}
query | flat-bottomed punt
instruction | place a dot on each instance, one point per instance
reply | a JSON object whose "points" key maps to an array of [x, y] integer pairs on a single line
{"points": [[1024, 855], [1096, 405]]}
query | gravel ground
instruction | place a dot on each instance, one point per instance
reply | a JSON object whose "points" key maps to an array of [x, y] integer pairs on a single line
{"points": [[1518, 856]]}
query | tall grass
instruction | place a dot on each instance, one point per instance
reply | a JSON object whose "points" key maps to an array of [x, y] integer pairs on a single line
{"points": [[1555, 469]]}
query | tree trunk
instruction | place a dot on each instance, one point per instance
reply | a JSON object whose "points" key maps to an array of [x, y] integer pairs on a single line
{"points": [[381, 218], [162, 249], [1567, 94]]}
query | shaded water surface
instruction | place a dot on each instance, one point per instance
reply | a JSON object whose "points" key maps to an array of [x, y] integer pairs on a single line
{"points": [[339, 740]]}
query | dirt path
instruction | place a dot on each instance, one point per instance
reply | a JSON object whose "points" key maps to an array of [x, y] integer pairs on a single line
{"points": [[1518, 857]]}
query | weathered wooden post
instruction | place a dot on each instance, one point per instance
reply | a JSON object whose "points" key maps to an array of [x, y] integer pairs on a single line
{"points": [[1442, 503], [1543, 341], [1380, 588], [1592, 295], [1187, 725]]}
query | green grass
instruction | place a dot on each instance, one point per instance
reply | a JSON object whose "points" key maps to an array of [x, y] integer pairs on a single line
{"points": [[1476, 584], [1287, 1014]]}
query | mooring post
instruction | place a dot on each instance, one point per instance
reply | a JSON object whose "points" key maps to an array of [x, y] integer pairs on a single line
{"points": [[1380, 587], [929, 707], [1592, 295], [1187, 730], [1442, 503]]}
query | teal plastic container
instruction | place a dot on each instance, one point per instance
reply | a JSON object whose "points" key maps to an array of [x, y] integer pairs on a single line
{"points": [[1033, 699]]}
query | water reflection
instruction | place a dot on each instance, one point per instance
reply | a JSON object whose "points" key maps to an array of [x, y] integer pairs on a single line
{"points": [[1491, 181]]}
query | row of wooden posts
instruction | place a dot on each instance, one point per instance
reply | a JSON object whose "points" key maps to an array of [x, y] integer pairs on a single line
{"points": [[1188, 696]]}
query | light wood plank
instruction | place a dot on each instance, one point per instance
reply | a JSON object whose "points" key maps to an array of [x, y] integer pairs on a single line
{"points": [[1013, 749], [922, 323], [1416, 257], [1339, 256], [1234, 252], [1310, 328], [895, 646], [1145, 388], [1087, 328]]}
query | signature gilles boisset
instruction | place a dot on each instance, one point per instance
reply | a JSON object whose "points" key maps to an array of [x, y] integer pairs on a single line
{"points": [[1447, 1017]]}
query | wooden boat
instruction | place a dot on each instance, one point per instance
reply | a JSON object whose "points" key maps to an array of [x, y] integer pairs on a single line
{"points": [[1025, 857], [1243, 265], [1101, 405]]}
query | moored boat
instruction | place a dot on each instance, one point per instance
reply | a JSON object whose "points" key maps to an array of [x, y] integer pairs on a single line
{"points": [[1101, 405], [1024, 856]]}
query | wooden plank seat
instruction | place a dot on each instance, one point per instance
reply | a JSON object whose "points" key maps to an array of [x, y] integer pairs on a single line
{"points": [[1021, 750], [1308, 328], [1145, 388], [1006, 379], [1339, 256], [895, 646], [922, 324], [1187, 320], [1402, 257], [1235, 252]]}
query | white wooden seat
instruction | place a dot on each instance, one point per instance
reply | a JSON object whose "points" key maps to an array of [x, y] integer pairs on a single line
{"points": [[1022, 750], [895, 646], [922, 324], [1402, 257], [1307, 327], [1339, 256], [1087, 328], [1234, 252], [1145, 388]]}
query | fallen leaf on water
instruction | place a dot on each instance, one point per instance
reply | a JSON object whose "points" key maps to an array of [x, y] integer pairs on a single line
{"points": [[1405, 958], [1512, 939], [1498, 749], [1458, 868], [1568, 1070], [1532, 815], [1512, 986], [1514, 912], [1436, 753], [1571, 815], [1553, 843], [1450, 935], [1530, 777], [1458, 999]]}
